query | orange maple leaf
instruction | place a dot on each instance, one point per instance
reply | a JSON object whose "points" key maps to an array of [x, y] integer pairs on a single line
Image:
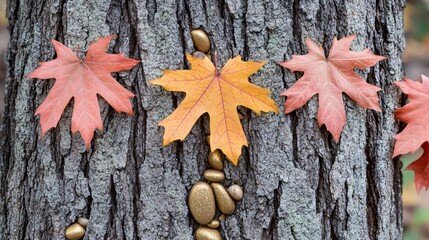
{"points": [[218, 94], [83, 80], [329, 78]]}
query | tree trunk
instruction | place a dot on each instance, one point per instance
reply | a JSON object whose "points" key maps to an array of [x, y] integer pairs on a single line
{"points": [[299, 184]]}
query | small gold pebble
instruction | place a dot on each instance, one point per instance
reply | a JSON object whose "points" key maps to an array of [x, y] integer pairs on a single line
{"points": [[214, 224], [201, 40], [236, 192], [82, 221], [212, 175], [75, 232], [221, 218], [223, 201], [199, 54], [215, 160], [205, 233], [202, 203], [208, 140]]}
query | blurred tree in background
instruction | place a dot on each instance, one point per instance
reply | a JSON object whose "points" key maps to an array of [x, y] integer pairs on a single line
{"points": [[416, 61]]}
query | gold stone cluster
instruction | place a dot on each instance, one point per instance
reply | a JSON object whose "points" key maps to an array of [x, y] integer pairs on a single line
{"points": [[205, 197], [76, 231]]}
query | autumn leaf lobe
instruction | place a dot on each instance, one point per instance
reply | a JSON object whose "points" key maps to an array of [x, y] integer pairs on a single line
{"points": [[218, 94], [329, 77], [82, 80]]}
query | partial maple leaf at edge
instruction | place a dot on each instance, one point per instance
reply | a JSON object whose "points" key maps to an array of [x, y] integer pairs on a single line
{"points": [[329, 77], [420, 167], [415, 114], [83, 80], [218, 94]]}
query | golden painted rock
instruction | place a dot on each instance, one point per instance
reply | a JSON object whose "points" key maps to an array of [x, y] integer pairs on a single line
{"points": [[205, 233], [202, 203], [221, 217], [201, 40], [223, 201], [236, 192], [213, 224], [75, 232], [82, 221], [215, 160], [214, 175]]}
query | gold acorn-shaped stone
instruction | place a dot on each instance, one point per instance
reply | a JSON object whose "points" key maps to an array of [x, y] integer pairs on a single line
{"points": [[223, 201], [201, 40], [202, 203], [205, 233], [215, 160], [75, 232]]}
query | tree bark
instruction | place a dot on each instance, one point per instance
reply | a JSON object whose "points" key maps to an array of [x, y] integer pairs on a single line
{"points": [[299, 183]]}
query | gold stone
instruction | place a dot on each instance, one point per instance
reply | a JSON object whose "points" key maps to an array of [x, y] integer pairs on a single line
{"points": [[201, 40], [221, 218], [236, 192], [75, 232], [215, 160], [223, 201], [214, 175], [213, 224], [202, 203], [205, 233], [208, 140], [82, 221], [199, 54]]}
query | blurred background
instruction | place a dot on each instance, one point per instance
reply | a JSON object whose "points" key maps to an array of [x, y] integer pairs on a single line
{"points": [[416, 62]]}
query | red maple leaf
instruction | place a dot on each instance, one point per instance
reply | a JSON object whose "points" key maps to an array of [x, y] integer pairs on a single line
{"points": [[329, 78], [83, 80], [416, 134], [415, 114], [421, 169]]}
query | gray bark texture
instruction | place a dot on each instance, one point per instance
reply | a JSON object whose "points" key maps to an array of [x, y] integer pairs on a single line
{"points": [[299, 183]]}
